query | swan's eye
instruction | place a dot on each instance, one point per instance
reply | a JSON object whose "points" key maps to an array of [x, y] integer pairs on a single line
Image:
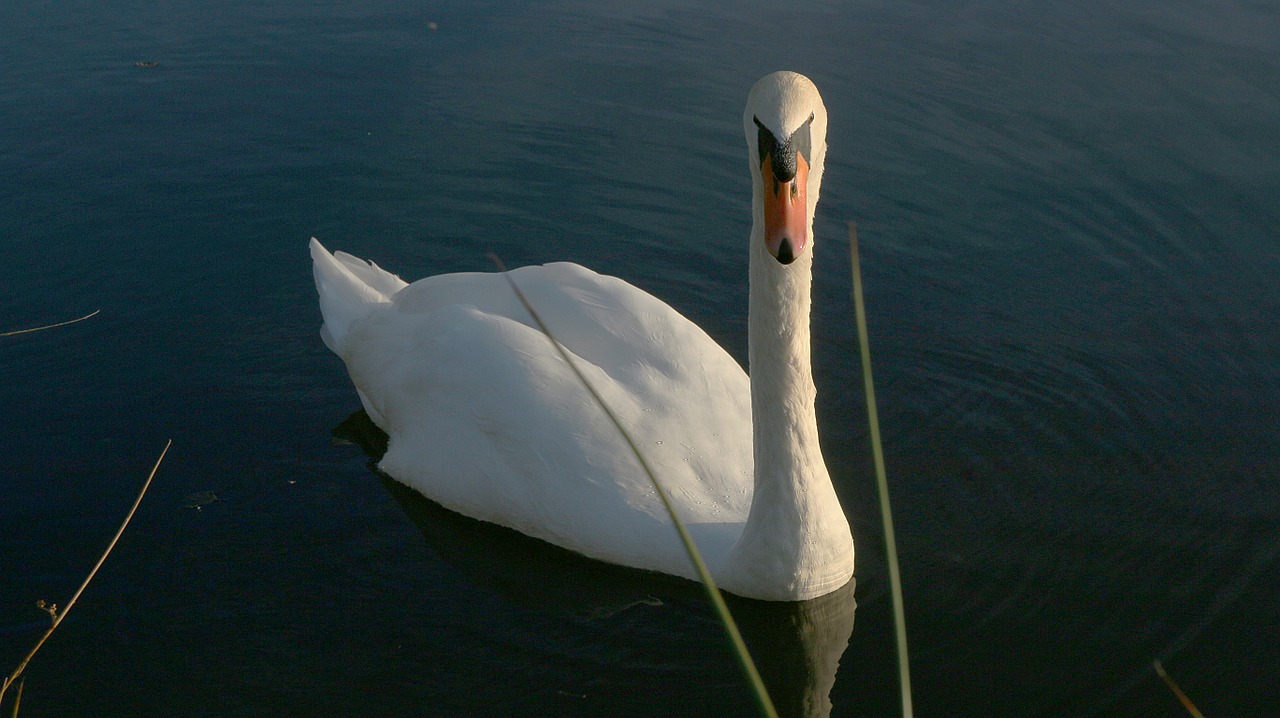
{"points": [[795, 189], [802, 141], [764, 139]]}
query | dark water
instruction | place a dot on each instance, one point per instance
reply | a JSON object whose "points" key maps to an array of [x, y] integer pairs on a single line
{"points": [[1068, 222]]}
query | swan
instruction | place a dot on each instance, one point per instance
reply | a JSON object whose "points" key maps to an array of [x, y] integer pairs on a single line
{"points": [[484, 417]]}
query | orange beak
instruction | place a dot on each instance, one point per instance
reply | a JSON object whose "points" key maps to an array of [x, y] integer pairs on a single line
{"points": [[786, 211]]}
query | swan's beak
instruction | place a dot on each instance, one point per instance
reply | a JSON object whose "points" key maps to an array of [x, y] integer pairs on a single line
{"points": [[786, 211]]}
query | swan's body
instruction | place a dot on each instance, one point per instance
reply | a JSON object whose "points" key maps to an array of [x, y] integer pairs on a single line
{"points": [[484, 417]]}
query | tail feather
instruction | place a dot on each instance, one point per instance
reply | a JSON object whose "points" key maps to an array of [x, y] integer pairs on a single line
{"points": [[350, 288]]}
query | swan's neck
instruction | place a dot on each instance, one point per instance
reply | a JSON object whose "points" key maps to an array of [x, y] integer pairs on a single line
{"points": [[796, 534], [782, 390]]}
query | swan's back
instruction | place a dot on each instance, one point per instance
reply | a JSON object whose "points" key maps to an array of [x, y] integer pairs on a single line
{"points": [[484, 417]]}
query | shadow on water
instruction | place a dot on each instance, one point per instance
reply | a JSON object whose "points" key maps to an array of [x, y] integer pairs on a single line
{"points": [[797, 646]]}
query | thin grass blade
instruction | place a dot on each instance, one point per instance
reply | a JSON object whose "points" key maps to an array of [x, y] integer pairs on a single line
{"points": [[882, 482], [713, 592]]}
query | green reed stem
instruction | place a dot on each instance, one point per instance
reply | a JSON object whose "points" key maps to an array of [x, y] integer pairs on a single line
{"points": [[882, 483], [713, 593], [59, 615]]}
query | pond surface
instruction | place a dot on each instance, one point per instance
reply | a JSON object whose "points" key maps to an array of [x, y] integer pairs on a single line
{"points": [[1067, 217]]}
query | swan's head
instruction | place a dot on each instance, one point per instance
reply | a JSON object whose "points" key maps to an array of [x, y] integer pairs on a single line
{"points": [[786, 128]]}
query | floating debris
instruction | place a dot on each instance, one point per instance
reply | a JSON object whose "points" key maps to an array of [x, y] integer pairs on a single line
{"points": [[146, 63], [200, 499], [600, 612], [432, 26]]}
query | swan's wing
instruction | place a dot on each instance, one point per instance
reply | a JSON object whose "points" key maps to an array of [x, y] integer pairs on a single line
{"points": [[485, 418]]}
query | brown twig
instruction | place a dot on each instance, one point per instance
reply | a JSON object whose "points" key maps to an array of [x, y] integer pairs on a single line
{"points": [[49, 326], [59, 615], [17, 699], [1173, 686]]}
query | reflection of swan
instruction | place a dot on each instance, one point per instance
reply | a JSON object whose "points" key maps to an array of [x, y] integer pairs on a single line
{"points": [[484, 416], [796, 645]]}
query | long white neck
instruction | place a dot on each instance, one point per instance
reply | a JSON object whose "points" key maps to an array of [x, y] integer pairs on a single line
{"points": [[796, 543]]}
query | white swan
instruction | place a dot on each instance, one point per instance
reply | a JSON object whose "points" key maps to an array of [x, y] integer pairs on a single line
{"points": [[484, 417]]}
